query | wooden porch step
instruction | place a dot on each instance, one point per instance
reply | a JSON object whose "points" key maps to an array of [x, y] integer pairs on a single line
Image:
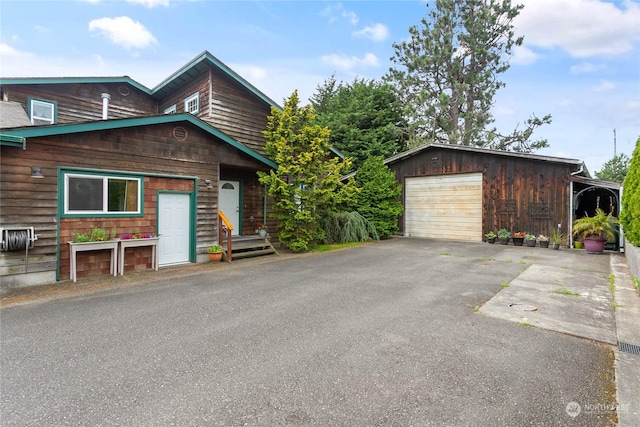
{"points": [[249, 246]]}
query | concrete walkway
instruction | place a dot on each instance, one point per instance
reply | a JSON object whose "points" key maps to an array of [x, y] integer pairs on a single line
{"points": [[582, 298]]}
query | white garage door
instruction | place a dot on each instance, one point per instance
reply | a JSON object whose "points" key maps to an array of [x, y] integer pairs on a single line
{"points": [[444, 207]]}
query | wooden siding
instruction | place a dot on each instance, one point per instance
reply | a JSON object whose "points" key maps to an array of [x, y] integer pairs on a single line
{"points": [[82, 102], [26, 201], [519, 194], [199, 84]]}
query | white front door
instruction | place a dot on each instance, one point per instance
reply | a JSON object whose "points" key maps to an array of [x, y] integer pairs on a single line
{"points": [[229, 203], [173, 227]]}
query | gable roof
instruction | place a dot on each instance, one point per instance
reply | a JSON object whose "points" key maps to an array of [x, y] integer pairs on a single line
{"points": [[184, 74], [13, 136]]}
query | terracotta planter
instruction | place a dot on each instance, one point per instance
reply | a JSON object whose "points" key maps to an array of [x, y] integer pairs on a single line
{"points": [[215, 256], [594, 245]]}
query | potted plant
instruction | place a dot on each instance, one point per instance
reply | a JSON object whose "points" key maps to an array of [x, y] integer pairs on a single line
{"points": [[530, 239], [98, 234], [578, 243], [491, 237], [595, 230], [503, 236], [262, 230], [518, 238], [544, 241], [556, 238], [215, 253]]}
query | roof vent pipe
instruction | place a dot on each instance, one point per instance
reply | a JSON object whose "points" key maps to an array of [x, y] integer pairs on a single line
{"points": [[105, 106]]}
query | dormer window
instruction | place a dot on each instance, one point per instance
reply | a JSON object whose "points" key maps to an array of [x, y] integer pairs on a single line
{"points": [[170, 110], [192, 104], [42, 112]]}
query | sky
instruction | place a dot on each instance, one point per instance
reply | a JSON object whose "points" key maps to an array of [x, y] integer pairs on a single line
{"points": [[580, 61]]}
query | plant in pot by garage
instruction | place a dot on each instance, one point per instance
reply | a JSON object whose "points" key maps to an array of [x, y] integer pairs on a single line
{"points": [[518, 238], [544, 241], [578, 243], [491, 237], [503, 236], [595, 230], [215, 253], [556, 238], [530, 239], [263, 230]]}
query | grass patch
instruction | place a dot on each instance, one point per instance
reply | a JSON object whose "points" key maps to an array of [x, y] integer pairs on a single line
{"points": [[325, 248], [525, 324], [612, 285], [615, 305], [476, 309], [566, 292], [505, 284], [507, 260], [636, 283], [523, 261], [565, 266]]}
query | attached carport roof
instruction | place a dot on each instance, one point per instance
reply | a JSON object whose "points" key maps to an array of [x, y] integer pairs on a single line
{"points": [[12, 136]]}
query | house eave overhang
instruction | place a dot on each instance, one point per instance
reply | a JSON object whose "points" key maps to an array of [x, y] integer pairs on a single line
{"points": [[73, 80], [43, 131]]}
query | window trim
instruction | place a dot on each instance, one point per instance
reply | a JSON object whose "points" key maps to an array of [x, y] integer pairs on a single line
{"points": [[54, 110], [196, 97], [64, 202], [171, 110]]}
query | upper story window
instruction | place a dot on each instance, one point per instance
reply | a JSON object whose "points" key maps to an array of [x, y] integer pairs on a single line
{"points": [[192, 104], [170, 110], [42, 112], [86, 194]]}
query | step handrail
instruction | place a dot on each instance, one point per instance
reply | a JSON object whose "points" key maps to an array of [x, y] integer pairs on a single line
{"points": [[224, 226]]}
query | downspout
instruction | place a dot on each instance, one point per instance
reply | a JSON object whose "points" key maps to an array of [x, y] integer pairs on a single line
{"points": [[264, 204], [579, 171]]}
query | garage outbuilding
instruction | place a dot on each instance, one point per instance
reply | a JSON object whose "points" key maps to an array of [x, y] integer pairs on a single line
{"points": [[461, 192]]}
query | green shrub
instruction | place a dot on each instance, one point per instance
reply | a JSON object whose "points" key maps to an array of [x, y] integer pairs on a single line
{"points": [[630, 213], [343, 227]]}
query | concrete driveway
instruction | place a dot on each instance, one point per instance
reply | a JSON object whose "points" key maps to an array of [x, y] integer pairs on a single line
{"points": [[388, 333]]}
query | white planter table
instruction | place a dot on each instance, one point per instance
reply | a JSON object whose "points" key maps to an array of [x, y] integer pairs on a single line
{"points": [[135, 243], [93, 246]]}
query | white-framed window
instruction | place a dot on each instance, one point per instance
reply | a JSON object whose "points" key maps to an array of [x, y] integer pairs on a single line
{"points": [[192, 104], [42, 112], [87, 194], [170, 110]]}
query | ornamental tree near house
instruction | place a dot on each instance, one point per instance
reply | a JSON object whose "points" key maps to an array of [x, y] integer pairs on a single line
{"points": [[378, 200], [306, 186]]}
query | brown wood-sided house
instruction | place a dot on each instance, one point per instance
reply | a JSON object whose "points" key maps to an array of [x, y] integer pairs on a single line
{"points": [[460, 192], [108, 152]]}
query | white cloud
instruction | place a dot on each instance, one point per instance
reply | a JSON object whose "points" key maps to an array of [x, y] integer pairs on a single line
{"points": [[586, 67], [349, 62], [150, 3], [123, 31], [376, 32], [6, 50], [336, 11], [250, 72], [523, 56], [583, 28], [604, 85]]}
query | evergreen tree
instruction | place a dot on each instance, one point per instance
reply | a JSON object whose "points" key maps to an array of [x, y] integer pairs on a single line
{"points": [[378, 200], [614, 170], [447, 75], [306, 185], [363, 117], [630, 213]]}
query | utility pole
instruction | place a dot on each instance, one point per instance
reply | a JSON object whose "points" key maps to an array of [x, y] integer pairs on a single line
{"points": [[614, 142]]}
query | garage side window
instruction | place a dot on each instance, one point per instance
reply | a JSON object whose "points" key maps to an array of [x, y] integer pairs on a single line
{"points": [[103, 195]]}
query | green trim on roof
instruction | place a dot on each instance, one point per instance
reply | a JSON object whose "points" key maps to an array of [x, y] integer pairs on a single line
{"points": [[72, 80], [39, 131], [206, 56], [13, 141]]}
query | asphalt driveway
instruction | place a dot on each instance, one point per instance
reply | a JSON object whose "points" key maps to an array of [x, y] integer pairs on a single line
{"points": [[381, 334]]}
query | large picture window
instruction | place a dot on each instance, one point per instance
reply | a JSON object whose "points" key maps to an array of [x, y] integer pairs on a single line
{"points": [[96, 194]]}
